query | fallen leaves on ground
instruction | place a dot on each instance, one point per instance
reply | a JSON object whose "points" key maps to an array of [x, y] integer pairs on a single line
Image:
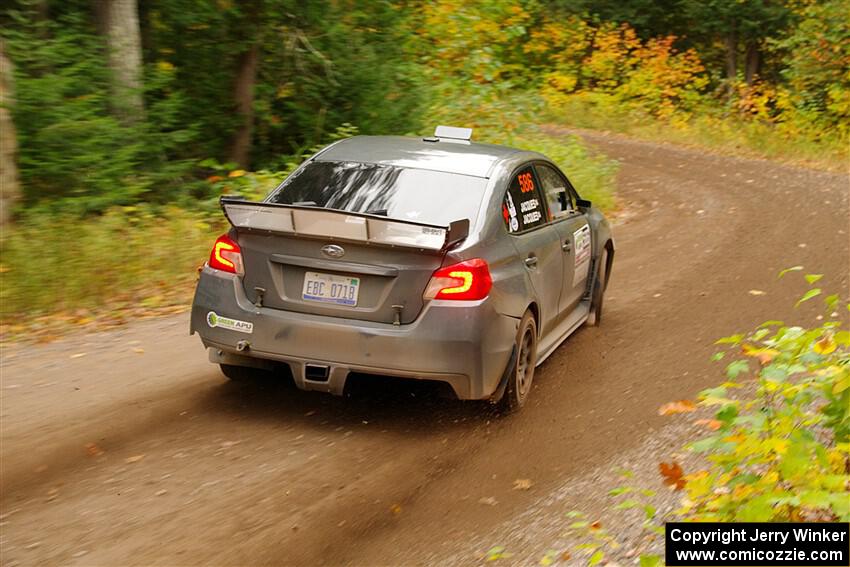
{"points": [[134, 459], [92, 450], [48, 328], [712, 424], [681, 406], [496, 553], [672, 474], [522, 484]]}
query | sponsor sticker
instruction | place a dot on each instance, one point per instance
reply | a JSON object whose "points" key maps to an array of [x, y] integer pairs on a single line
{"points": [[509, 213], [581, 239], [216, 320], [582, 244]]}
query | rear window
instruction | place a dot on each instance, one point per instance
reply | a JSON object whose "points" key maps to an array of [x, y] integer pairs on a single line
{"points": [[417, 195]]}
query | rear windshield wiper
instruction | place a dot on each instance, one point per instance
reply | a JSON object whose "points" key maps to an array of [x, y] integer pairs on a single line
{"points": [[381, 212]]}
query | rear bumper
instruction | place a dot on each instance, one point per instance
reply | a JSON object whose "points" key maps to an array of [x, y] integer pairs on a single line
{"points": [[464, 344]]}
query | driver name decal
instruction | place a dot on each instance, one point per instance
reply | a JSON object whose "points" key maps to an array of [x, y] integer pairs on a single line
{"points": [[522, 194]]}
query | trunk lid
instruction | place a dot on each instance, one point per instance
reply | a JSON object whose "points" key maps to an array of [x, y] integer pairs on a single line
{"points": [[337, 263]]}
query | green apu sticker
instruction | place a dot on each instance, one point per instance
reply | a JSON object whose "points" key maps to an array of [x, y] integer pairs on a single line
{"points": [[216, 320]]}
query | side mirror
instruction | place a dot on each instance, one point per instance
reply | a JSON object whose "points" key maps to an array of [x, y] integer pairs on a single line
{"points": [[583, 204]]}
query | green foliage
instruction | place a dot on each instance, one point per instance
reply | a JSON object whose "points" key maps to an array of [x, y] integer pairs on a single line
{"points": [[779, 450], [70, 144], [402, 66], [322, 64], [818, 56], [127, 258], [649, 68]]}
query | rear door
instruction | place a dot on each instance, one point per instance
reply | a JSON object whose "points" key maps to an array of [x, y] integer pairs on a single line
{"points": [[573, 232], [536, 241]]}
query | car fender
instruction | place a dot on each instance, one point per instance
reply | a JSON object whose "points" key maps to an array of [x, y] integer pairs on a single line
{"points": [[512, 291], [601, 229]]}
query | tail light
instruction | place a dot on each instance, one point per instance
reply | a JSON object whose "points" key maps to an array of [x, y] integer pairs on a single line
{"points": [[466, 280], [227, 256]]}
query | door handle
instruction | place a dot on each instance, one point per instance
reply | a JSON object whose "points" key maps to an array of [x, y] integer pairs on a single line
{"points": [[531, 261], [566, 246]]}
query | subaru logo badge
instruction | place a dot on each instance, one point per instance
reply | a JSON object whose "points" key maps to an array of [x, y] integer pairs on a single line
{"points": [[333, 251]]}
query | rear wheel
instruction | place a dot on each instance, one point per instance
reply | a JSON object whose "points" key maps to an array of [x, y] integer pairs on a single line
{"points": [[242, 373], [521, 372], [598, 295]]}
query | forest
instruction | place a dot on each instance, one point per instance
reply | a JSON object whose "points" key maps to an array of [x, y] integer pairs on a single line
{"points": [[125, 120]]}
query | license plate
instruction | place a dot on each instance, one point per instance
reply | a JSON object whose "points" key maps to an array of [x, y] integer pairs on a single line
{"points": [[326, 288]]}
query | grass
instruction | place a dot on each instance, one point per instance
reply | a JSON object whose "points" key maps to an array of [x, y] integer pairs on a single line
{"points": [[725, 134], [59, 271]]}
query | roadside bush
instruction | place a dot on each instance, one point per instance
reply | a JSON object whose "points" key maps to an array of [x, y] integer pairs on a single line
{"points": [[72, 148], [779, 448], [130, 258], [781, 451], [127, 258]]}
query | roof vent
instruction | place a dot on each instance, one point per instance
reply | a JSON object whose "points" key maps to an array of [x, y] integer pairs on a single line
{"points": [[453, 133]]}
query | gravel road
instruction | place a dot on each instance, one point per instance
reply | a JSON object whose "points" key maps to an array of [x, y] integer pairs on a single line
{"points": [[127, 448]]}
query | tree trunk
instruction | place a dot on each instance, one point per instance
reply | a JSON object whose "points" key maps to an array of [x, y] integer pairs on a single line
{"points": [[118, 21], [732, 56], [753, 63], [10, 189], [243, 95], [42, 11]]}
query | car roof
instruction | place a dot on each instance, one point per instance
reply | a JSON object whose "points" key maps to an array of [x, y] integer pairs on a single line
{"points": [[451, 156]]}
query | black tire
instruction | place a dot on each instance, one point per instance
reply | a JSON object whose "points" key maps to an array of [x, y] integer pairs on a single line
{"points": [[242, 373], [521, 370], [597, 299]]}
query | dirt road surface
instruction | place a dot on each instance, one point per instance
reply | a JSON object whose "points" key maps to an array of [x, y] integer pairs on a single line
{"points": [[127, 448]]}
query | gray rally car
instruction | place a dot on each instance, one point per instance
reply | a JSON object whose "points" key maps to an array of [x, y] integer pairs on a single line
{"points": [[433, 258]]}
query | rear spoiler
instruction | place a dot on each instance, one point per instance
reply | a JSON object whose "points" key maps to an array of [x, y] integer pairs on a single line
{"points": [[329, 223]]}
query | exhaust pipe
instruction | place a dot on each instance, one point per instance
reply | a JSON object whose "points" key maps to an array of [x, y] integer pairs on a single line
{"points": [[316, 372]]}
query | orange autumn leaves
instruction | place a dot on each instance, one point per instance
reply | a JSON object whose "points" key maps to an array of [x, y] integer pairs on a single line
{"points": [[681, 406], [673, 475], [609, 64], [764, 355], [687, 406]]}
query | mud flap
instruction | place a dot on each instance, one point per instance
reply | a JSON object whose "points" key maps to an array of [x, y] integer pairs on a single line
{"points": [[499, 393]]}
